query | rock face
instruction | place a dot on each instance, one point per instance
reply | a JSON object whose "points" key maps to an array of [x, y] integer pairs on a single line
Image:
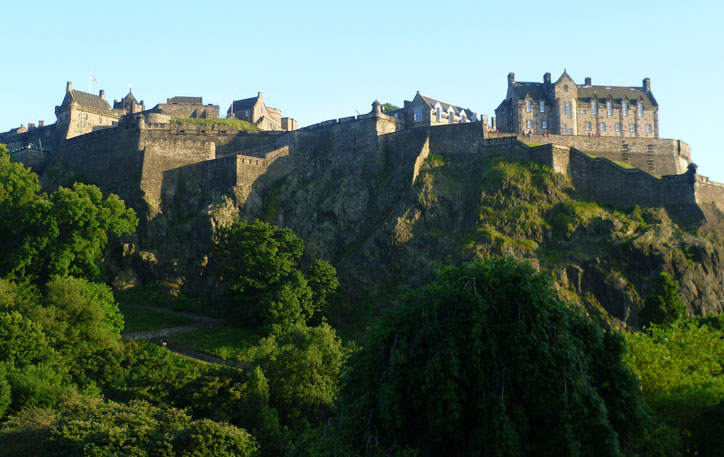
{"points": [[386, 210]]}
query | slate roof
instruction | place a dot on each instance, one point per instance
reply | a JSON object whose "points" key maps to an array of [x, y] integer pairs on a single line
{"points": [[186, 100], [617, 93], [446, 106], [246, 103], [536, 90], [89, 100]]}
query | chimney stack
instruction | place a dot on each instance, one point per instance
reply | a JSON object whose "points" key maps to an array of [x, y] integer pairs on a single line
{"points": [[647, 84], [68, 86], [41, 123], [588, 81], [547, 79], [511, 78], [102, 94]]}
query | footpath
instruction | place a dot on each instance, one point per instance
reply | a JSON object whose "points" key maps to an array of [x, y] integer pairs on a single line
{"points": [[158, 336]]}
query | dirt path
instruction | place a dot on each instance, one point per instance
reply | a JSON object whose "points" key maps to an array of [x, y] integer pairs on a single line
{"points": [[199, 322]]}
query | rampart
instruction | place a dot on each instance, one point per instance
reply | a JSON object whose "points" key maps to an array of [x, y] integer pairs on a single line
{"points": [[652, 155]]}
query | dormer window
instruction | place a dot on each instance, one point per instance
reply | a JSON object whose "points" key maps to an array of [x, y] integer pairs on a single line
{"points": [[594, 107], [451, 116], [438, 113], [528, 106], [542, 105], [463, 117], [625, 108], [641, 109], [609, 107]]}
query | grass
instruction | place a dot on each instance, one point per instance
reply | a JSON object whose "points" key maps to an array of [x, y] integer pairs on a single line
{"points": [[225, 342], [140, 319], [158, 295], [230, 123]]}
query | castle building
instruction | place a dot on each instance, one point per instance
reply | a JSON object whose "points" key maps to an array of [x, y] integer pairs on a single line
{"points": [[81, 113], [187, 107], [426, 111], [255, 111], [567, 108], [129, 104]]}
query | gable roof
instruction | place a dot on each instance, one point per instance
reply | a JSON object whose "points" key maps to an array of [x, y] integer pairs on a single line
{"points": [[431, 102], [617, 93], [246, 103], [87, 100], [536, 90], [178, 100]]}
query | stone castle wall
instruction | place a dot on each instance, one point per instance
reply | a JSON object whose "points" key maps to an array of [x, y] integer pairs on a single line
{"points": [[654, 156]]}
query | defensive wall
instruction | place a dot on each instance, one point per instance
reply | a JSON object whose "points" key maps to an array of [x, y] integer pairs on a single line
{"points": [[652, 155]]}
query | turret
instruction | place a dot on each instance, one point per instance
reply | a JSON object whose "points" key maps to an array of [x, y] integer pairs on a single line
{"points": [[376, 108]]}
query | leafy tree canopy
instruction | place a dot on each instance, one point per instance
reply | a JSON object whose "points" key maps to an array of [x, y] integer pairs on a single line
{"points": [[487, 361], [664, 306], [389, 107], [259, 263], [61, 234]]}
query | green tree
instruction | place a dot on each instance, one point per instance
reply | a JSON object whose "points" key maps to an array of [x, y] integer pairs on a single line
{"points": [[389, 107], [664, 306], [61, 234], [79, 317], [259, 263], [487, 361], [681, 370], [322, 279], [303, 366]]}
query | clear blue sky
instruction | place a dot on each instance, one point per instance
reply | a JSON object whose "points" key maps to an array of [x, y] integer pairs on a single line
{"points": [[318, 60]]}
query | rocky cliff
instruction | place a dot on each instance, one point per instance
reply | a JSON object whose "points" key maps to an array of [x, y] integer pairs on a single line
{"points": [[386, 210]]}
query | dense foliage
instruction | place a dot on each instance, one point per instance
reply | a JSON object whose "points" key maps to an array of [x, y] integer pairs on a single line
{"points": [[486, 361], [259, 263]]}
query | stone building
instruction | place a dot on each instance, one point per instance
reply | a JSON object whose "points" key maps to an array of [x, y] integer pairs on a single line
{"points": [[186, 107], [129, 104], [81, 113], [567, 108], [254, 110], [426, 111]]}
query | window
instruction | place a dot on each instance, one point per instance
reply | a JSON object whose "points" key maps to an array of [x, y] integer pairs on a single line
{"points": [[544, 125], [438, 113], [417, 114], [527, 106], [588, 126], [565, 88], [565, 107], [565, 128], [542, 105], [609, 107], [625, 108], [463, 117], [641, 109], [618, 127], [450, 117], [594, 107], [648, 128], [529, 124], [633, 128], [570, 109], [603, 126]]}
